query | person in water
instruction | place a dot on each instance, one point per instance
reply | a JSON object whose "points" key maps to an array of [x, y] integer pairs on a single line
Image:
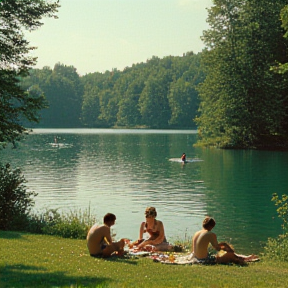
{"points": [[155, 229], [204, 237], [183, 157], [99, 240]]}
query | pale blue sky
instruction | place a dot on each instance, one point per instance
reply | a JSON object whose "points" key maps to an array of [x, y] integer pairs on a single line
{"points": [[99, 35]]}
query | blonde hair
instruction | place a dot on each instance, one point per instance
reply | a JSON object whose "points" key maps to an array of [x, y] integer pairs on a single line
{"points": [[150, 212]]}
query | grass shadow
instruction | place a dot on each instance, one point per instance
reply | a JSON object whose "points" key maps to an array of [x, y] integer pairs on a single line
{"points": [[30, 276], [10, 235], [126, 260]]}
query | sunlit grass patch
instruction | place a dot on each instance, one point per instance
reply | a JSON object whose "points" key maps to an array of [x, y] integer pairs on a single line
{"points": [[29, 260]]}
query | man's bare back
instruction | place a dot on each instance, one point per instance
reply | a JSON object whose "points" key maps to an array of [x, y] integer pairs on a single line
{"points": [[204, 237], [96, 238], [201, 241], [99, 240]]}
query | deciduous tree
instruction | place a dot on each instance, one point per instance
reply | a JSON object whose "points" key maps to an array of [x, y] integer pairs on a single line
{"points": [[241, 98], [16, 104]]}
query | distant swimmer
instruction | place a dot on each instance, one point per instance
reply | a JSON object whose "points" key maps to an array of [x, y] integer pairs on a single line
{"points": [[183, 157], [55, 144]]}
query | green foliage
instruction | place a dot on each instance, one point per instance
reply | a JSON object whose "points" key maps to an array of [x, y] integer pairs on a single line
{"points": [[15, 200], [17, 104], [282, 210], [75, 224], [283, 65], [183, 96], [91, 108], [146, 94], [153, 101], [129, 112], [139, 95], [63, 94], [277, 249], [241, 99]]}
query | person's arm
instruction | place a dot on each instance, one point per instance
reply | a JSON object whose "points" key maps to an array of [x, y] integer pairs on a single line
{"points": [[107, 235], [224, 246], [214, 242], [141, 232], [194, 242]]}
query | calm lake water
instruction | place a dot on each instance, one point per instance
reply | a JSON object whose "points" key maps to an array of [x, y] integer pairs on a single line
{"points": [[123, 171]]}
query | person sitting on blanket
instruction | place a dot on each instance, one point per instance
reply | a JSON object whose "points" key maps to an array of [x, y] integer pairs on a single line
{"points": [[155, 228], [204, 237], [99, 241]]}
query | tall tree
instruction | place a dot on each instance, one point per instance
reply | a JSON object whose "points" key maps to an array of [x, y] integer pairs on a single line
{"points": [[129, 114], [283, 65], [241, 98], [15, 103], [153, 101], [183, 97], [63, 90], [91, 107]]}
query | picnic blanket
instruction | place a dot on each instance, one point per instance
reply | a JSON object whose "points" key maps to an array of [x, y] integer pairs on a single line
{"points": [[179, 258], [189, 259], [165, 258], [174, 259]]}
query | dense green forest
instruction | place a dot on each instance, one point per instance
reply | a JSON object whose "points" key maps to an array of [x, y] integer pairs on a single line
{"points": [[244, 98], [235, 91], [160, 93]]}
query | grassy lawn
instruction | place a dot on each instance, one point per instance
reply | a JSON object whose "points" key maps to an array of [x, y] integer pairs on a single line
{"points": [[28, 260]]}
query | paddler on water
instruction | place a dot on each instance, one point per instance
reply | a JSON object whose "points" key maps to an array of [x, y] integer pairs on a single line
{"points": [[183, 157]]}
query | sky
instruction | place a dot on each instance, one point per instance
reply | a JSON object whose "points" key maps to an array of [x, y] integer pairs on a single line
{"points": [[101, 35]]}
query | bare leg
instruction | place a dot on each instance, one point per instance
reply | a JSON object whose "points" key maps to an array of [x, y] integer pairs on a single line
{"points": [[163, 247], [230, 257], [115, 246], [249, 258]]}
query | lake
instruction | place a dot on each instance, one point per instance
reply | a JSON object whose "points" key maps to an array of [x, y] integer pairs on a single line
{"points": [[124, 171]]}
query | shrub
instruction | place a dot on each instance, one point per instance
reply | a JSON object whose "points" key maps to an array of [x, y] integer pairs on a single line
{"points": [[70, 225], [15, 200], [282, 210], [277, 249]]}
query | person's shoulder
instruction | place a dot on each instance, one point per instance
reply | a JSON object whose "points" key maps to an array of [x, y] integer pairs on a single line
{"points": [[159, 222], [212, 234], [198, 232], [103, 227]]}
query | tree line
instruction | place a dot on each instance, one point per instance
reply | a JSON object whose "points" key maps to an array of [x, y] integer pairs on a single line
{"points": [[160, 93], [236, 89], [244, 98]]}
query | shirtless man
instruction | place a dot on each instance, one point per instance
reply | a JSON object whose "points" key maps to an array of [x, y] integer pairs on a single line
{"points": [[204, 237], [99, 241]]}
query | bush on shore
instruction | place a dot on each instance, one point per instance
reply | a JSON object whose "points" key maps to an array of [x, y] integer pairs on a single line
{"points": [[71, 224], [16, 203], [15, 200], [277, 249]]}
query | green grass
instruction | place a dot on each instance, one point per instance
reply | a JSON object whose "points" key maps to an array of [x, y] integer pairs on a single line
{"points": [[28, 260]]}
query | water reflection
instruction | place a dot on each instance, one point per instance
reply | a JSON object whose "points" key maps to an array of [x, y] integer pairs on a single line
{"points": [[240, 188], [123, 172]]}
